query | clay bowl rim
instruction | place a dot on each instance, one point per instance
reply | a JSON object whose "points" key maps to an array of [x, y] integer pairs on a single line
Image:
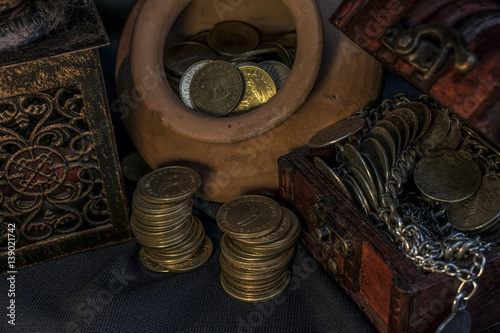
{"points": [[150, 32]]}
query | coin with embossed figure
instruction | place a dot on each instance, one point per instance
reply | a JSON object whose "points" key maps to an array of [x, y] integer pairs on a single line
{"points": [[185, 82], [447, 175], [437, 131], [169, 184], [336, 132], [179, 57], [259, 88], [233, 37], [216, 88], [411, 119], [249, 216], [481, 210]]}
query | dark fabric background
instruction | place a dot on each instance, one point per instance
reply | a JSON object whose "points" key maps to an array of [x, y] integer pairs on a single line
{"points": [[108, 290]]}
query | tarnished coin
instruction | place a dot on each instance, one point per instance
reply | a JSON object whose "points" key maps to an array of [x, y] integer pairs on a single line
{"points": [[254, 55], [336, 132], [372, 149], [353, 157], [377, 179], [233, 37], [216, 88], [384, 137], [403, 127], [259, 88], [249, 216], [282, 54], [278, 71], [288, 40], [411, 119], [179, 57], [479, 211], [284, 226], [452, 139], [197, 260], [395, 134], [146, 261], [169, 184], [423, 114], [331, 175], [134, 167], [369, 192], [437, 130], [447, 175], [201, 37], [185, 82], [358, 197], [142, 204]]}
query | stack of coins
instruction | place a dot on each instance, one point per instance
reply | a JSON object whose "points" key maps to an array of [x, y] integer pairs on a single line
{"points": [[217, 76], [256, 248], [172, 239]]}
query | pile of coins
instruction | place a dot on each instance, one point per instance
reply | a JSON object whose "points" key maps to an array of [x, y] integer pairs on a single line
{"points": [[256, 248], [226, 71], [456, 172], [172, 239]]}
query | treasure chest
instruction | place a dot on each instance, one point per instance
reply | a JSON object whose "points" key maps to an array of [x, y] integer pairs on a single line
{"points": [[400, 201]]}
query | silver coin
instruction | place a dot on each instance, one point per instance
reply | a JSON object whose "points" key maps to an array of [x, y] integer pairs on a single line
{"points": [[336, 132], [278, 71], [411, 118], [353, 157], [437, 131], [185, 82], [374, 150], [403, 127], [331, 175], [395, 133], [423, 114], [452, 139], [356, 193], [363, 184], [384, 137]]}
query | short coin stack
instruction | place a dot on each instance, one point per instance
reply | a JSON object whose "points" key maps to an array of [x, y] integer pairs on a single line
{"points": [[257, 246], [172, 239]]}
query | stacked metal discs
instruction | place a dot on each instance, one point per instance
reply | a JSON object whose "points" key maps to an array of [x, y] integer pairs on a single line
{"points": [[172, 239], [256, 248]]}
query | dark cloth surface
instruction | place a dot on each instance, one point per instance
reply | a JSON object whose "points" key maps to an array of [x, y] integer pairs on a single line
{"points": [[108, 290]]}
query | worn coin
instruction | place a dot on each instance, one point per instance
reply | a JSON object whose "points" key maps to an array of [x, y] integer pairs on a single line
{"points": [[336, 132], [169, 184], [403, 127], [233, 37], [281, 53], [374, 150], [249, 216], [369, 192], [395, 134], [197, 260], [447, 175], [134, 167], [288, 40], [452, 139], [185, 82], [146, 261], [437, 130], [356, 193], [423, 114], [200, 37], [280, 231], [216, 88], [278, 71], [259, 88], [480, 210], [331, 175], [353, 157], [377, 179], [384, 137], [411, 119], [179, 57]]}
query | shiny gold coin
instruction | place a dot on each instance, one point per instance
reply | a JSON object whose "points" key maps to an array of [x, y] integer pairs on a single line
{"points": [[447, 175], [197, 260], [331, 175], [146, 261], [169, 184], [216, 88], [249, 216], [179, 57], [336, 132], [233, 37], [259, 88]]}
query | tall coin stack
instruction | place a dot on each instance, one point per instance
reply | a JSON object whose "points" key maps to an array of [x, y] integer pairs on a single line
{"points": [[172, 239], [256, 248]]}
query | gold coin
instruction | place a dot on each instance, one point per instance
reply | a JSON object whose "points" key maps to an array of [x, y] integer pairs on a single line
{"points": [[279, 232], [256, 285], [146, 261], [259, 88], [216, 88], [145, 206], [197, 260], [233, 37], [169, 184], [242, 275], [249, 216]]}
